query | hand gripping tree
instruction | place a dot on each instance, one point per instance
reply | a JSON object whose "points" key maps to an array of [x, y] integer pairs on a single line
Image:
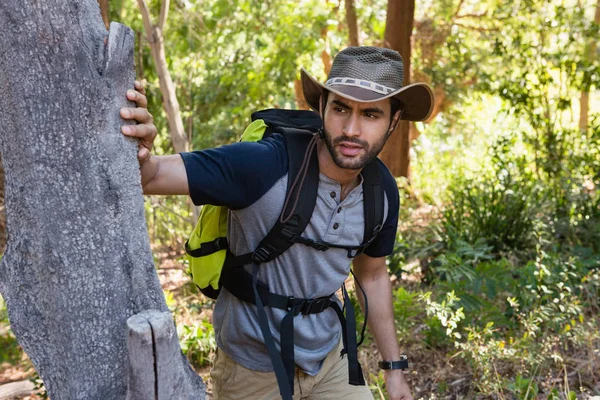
{"points": [[78, 271]]}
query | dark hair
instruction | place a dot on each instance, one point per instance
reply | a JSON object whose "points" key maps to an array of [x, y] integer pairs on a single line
{"points": [[396, 106]]}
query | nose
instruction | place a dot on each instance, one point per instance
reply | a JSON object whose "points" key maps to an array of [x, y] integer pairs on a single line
{"points": [[352, 125]]}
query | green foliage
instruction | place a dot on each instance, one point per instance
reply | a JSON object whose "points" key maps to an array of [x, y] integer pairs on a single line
{"points": [[407, 309], [524, 388], [198, 343], [446, 312], [499, 206], [11, 352], [39, 387], [377, 386], [169, 220]]}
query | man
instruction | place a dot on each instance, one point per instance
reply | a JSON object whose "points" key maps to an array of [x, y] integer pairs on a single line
{"points": [[360, 104]]}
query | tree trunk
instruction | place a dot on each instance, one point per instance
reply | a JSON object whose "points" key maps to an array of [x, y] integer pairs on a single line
{"points": [[78, 261], [326, 53], [167, 88], [104, 12], [299, 94], [398, 31], [352, 23], [584, 99], [2, 211]]}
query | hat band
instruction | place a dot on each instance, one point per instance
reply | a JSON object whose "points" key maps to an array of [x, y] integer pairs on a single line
{"points": [[375, 87]]}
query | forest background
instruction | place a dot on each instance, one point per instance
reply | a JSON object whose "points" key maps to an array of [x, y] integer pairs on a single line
{"points": [[496, 266]]}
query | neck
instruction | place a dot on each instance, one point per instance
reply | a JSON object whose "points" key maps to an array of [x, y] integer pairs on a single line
{"points": [[348, 178]]}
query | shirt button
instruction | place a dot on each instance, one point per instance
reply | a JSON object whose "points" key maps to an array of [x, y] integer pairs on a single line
{"points": [[332, 194], [336, 225], [339, 210]]}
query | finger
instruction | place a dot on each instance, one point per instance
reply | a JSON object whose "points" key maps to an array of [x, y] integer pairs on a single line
{"points": [[140, 86], [139, 98], [144, 132], [138, 114]]}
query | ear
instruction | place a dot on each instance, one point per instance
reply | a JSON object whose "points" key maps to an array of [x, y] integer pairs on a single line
{"points": [[395, 121]]}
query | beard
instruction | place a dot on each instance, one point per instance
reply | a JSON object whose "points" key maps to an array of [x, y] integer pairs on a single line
{"points": [[358, 162]]}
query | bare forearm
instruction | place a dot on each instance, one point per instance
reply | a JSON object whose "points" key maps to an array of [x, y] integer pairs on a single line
{"points": [[164, 175], [378, 289]]}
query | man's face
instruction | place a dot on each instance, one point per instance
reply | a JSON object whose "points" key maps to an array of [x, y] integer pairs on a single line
{"points": [[355, 132]]}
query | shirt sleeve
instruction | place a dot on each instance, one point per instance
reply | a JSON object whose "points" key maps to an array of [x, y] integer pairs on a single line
{"points": [[235, 175], [383, 245]]}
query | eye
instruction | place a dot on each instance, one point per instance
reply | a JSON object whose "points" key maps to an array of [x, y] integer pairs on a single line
{"points": [[371, 115], [338, 109]]}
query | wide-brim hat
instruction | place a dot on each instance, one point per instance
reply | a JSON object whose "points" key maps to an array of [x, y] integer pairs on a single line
{"points": [[367, 74]]}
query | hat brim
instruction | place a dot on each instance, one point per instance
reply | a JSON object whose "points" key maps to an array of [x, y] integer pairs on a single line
{"points": [[416, 98]]}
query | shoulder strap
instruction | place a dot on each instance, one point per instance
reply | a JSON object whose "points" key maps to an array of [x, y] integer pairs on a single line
{"points": [[301, 196], [373, 201]]}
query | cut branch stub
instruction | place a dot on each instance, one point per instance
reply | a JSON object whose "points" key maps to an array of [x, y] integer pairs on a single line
{"points": [[156, 370]]}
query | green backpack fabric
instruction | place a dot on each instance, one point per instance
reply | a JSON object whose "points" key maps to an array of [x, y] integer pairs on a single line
{"points": [[205, 249]]}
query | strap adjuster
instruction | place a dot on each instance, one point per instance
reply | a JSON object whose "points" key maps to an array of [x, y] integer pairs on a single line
{"points": [[261, 255], [217, 244], [314, 306], [288, 234], [307, 306]]}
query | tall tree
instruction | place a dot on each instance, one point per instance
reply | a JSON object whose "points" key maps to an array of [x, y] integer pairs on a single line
{"points": [[398, 32], [78, 263], [154, 36], [584, 98], [352, 22]]}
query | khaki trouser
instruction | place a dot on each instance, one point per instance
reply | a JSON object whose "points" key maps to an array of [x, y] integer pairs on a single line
{"points": [[231, 381]]}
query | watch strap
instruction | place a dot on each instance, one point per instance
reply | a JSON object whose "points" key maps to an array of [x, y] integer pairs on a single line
{"points": [[400, 364]]}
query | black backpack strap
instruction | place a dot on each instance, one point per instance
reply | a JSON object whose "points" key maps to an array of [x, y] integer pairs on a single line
{"points": [[285, 378], [373, 195], [300, 199], [207, 248]]}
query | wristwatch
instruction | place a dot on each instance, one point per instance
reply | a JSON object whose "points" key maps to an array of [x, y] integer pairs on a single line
{"points": [[400, 364]]}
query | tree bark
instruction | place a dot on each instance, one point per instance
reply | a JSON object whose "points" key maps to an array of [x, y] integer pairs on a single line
{"points": [[2, 210], [398, 32], [167, 87], [104, 12], [78, 262], [352, 23], [584, 99]]}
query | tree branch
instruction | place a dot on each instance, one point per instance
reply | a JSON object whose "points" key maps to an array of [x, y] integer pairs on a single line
{"points": [[149, 27], [460, 3], [480, 15], [477, 28], [164, 11]]}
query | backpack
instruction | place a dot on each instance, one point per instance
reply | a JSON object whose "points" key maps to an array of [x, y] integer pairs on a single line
{"points": [[212, 265]]}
